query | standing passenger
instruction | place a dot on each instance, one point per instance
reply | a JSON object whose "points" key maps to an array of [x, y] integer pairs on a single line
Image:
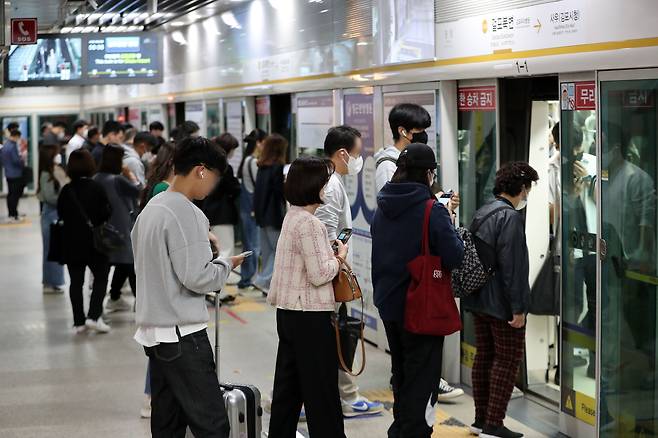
{"points": [[175, 270], [269, 204], [247, 174], [221, 206], [161, 174], [81, 204], [14, 165], [112, 134], [343, 146], [122, 189], [78, 139], [416, 359], [500, 307], [49, 187], [140, 144], [306, 364]]}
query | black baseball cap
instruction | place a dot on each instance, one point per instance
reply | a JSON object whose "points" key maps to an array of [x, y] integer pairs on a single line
{"points": [[418, 156], [255, 135]]}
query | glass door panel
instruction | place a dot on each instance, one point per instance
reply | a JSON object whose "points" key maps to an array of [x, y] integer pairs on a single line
{"points": [[629, 145], [579, 234]]}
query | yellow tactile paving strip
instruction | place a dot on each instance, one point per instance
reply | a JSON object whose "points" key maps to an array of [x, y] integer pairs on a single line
{"points": [[23, 223], [445, 426]]}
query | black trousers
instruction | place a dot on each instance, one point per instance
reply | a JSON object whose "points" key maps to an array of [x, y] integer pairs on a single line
{"points": [[101, 270], [122, 272], [185, 390], [416, 362], [15, 187], [306, 374]]}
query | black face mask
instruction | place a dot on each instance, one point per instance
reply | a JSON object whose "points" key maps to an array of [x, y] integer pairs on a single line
{"points": [[419, 137]]}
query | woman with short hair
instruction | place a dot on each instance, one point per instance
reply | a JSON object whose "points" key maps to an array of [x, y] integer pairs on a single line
{"points": [[122, 189], [302, 291], [81, 201]]}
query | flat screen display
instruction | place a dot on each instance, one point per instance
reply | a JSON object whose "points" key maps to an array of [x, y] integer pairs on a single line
{"points": [[86, 59], [52, 60], [113, 58]]}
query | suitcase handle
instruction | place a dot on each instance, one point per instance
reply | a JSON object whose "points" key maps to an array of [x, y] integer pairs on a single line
{"points": [[217, 333]]}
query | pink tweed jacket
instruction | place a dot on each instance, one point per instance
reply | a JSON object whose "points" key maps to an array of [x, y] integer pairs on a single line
{"points": [[304, 265]]}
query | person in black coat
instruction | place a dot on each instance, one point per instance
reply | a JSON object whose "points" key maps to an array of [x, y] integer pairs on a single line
{"points": [[500, 307], [269, 203], [81, 201], [221, 206], [397, 230]]}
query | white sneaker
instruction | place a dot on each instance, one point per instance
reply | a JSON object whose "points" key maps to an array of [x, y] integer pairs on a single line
{"points": [[361, 407], [447, 392], [145, 412], [99, 326], [50, 290], [80, 329], [117, 305]]}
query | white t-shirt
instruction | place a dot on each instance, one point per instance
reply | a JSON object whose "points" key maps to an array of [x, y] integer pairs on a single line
{"points": [[76, 142], [386, 169]]}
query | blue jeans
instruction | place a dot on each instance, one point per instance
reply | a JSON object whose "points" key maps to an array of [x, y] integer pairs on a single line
{"points": [[250, 240], [53, 273], [269, 237]]}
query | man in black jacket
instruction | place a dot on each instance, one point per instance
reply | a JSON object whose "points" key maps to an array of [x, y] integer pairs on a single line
{"points": [[500, 307]]}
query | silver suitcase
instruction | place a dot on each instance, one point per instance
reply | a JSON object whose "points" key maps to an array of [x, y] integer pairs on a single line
{"points": [[242, 402]]}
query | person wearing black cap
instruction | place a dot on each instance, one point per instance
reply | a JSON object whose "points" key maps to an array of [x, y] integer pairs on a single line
{"points": [[416, 359], [78, 139]]}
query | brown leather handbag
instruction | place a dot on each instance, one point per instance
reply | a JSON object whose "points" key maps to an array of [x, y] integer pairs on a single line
{"points": [[346, 285]]}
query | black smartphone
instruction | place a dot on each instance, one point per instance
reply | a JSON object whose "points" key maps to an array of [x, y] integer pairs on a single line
{"points": [[344, 235]]}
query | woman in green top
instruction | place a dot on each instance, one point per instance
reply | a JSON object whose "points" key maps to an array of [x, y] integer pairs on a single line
{"points": [[161, 174]]}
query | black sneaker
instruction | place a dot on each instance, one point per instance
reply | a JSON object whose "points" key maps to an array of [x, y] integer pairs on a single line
{"points": [[476, 428], [498, 432]]}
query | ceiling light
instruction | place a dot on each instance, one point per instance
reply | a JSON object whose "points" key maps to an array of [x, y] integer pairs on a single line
{"points": [[90, 29], [177, 23], [229, 19], [362, 43], [178, 37], [66, 29], [76, 29], [210, 25], [324, 10]]}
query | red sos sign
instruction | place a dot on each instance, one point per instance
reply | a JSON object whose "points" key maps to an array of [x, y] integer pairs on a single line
{"points": [[23, 31]]}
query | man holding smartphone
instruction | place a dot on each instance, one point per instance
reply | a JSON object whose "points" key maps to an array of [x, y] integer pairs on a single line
{"points": [[343, 146]]}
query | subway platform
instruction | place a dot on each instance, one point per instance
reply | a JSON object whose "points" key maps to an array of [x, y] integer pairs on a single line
{"points": [[54, 383]]}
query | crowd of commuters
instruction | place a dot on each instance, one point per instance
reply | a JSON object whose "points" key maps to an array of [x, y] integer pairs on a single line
{"points": [[174, 208]]}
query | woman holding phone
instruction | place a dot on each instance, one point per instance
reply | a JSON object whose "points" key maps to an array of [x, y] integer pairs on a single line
{"points": [[302, 291]]}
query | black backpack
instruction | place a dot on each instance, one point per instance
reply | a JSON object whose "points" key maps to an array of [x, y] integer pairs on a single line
{"points": [[479, 261]]}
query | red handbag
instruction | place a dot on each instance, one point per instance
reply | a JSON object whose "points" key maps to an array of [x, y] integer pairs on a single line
{"points": [[430, 307]]}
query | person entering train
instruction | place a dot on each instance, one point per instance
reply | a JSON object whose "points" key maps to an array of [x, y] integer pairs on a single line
{"points": [[343, 146], [175, 270], [416, 359], [499, 309], [408, 123]]}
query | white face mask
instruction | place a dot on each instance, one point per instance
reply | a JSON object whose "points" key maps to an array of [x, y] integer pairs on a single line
{"points": [[523, 203], [61, 135], [57, 160], [85, 133], [354, 165]]}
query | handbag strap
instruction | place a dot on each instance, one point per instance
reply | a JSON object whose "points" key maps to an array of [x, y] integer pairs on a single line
{"points": [[81, 209], [341, 359], [425, 245]]}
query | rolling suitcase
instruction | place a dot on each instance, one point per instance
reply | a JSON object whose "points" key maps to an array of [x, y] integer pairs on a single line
{"points": [[242, 402]]}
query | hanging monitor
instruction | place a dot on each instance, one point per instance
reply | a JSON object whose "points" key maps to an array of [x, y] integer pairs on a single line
{"points": [[53, 60], [116, 58]]}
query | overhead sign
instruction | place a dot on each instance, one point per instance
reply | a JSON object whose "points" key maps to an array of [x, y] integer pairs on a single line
{"points": [[23, 31], [477, 99], [563, 23]]}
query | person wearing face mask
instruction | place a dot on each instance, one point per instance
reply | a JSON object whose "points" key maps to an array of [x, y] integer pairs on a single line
{"points": [[79, 137], [220, 206], [416, 359], [500, 307], [343, 146], [408, 123]]}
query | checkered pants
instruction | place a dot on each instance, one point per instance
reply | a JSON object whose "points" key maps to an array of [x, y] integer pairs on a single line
{"points": [[499, 353]]}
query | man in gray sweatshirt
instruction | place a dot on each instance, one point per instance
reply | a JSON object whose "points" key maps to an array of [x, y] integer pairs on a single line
{"points": [[175, 270]]}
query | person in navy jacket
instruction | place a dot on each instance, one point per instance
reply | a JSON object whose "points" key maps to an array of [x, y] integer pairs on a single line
{"points": [[396, 240], [14, 166]]}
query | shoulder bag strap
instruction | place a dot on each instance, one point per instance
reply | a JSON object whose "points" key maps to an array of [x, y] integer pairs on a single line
{"points": [[74, 197], [341, 360], [425, 245], [476, 226], [251, 172], [384, 159]]}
